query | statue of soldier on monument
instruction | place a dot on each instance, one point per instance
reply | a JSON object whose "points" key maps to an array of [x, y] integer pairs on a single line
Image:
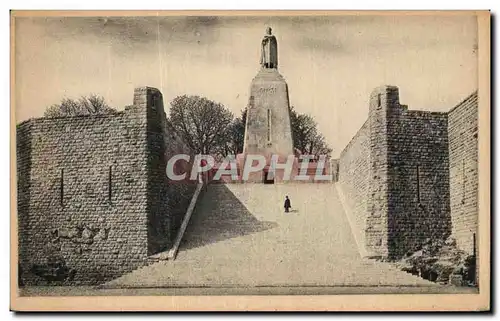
{"points": [[269, 51]]}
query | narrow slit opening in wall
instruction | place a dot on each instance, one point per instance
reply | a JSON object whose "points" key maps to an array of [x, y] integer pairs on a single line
{"points": [[110, 188], [474, 244], [379, 100], [418, 184], [463, 181], [153, 101], [61, 188]]}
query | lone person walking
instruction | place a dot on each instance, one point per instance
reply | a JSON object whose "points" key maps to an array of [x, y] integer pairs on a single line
{"points": [[287, 204]]}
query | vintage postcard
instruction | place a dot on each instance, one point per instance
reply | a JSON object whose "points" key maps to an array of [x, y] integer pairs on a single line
{"points": [[250, 161]]}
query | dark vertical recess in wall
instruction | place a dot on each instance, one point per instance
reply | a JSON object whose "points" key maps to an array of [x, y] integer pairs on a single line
{"points": [[474, 244], [61, 187], [418, 185], [463, 182], [110, 184]]}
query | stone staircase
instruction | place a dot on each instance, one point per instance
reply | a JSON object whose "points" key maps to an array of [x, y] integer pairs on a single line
{"points": [[239, 236], [269, 74]]}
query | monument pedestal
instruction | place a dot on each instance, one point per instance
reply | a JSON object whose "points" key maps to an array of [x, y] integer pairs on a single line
{"points": [[268, 129]]}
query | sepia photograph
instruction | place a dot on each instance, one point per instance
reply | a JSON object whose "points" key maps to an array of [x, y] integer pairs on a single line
{"points": [[269, 160]]}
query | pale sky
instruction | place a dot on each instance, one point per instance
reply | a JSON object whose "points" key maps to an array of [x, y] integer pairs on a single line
{"points": [[331, 64]]}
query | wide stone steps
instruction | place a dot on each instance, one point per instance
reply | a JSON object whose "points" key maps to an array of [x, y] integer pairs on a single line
{"points": [[239, 235]]}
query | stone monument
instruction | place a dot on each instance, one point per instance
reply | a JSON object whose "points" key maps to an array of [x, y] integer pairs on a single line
{"points": [[269, 50], [268, 129]]}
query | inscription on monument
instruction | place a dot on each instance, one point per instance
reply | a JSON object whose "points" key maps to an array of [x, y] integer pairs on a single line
{"points": [[271, 90]]}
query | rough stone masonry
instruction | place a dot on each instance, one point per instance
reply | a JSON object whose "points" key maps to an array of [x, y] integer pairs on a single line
{"points": [[94, 201], [411, 175], [93, 198]]}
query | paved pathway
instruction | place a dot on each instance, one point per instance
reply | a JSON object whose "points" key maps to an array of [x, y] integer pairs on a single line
{"points": [[239, 235]]}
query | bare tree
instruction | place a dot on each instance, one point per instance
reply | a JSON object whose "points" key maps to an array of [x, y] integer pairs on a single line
{"points": [[306, 137], [237, 134], [86, 105], [202, 123]]}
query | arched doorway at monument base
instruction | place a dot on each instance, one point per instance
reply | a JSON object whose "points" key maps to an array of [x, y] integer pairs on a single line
{"points": [[266, 179]]}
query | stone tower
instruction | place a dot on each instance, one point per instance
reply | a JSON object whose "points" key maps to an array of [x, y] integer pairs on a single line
{"points": [[268, 131]]}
